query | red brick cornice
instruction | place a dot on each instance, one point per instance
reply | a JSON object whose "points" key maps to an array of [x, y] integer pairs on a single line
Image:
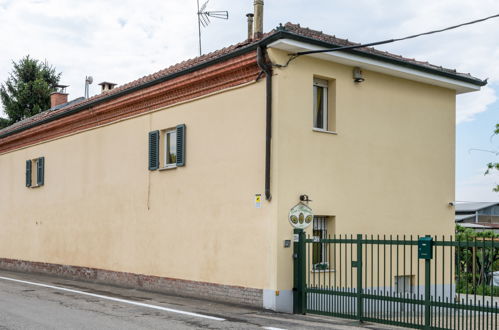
{"points": [[216, 77]]}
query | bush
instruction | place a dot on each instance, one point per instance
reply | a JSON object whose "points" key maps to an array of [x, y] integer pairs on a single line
{"points": [[466, 286], [486, 290]]}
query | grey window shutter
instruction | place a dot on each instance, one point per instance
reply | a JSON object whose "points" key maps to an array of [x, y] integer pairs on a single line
{"points": [[40, 171], [181, 145], [28, 173], [153, 150]]}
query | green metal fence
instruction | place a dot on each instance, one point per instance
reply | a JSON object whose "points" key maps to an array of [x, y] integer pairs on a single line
{"points": [[383, 279]]}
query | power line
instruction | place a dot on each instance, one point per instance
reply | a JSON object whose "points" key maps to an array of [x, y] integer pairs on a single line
{"points": [[394, 40]]}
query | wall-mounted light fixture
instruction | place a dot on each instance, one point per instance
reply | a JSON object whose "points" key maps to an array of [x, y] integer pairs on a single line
{"points": [[357, 75], [304, 198]]}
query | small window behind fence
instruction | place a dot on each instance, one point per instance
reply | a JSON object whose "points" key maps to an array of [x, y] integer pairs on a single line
{"points": [[322, 228]]}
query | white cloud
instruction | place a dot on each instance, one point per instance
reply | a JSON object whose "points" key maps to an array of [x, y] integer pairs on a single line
{"points": [[120, 41], [469, 49], [478, 188], [469, 105], [116, 41]]}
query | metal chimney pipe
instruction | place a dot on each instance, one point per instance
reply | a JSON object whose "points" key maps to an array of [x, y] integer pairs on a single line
{"points": [[258, 22], [250, 25]]}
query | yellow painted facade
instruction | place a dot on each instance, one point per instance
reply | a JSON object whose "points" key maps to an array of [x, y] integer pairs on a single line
{"points": [[101, 207], [387, 169]]}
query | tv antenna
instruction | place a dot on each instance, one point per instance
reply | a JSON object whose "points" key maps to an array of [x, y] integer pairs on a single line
{"points": [[204, 18]]}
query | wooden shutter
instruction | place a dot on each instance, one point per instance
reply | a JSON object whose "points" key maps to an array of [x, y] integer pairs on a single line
{"points": [[181, 145], [153, 150], [28, 173], [40, 171]]}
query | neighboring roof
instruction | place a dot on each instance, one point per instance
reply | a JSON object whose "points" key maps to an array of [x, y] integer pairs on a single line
{"points": [[461, 217], [473, 225], [480, 225], [288, 31], [473, 206]]}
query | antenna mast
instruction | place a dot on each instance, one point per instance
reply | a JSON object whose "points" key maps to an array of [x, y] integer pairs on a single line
{"points": [[88, 81], [204, 18]]}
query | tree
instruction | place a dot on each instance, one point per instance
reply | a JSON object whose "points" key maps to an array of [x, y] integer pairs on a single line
{"points": [[477, 257], [3, 122], [494, 165], [26, 91]]}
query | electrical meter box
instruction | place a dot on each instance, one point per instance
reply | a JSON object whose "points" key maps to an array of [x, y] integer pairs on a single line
{"points": [[425, 248]]}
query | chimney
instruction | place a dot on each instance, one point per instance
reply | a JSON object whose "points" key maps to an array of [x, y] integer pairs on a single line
{"points": [[106, 86], [258, 23], [250, 25], [59, 96]]}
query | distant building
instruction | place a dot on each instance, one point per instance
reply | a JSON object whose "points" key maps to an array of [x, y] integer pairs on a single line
{"points": [[479, 216]]}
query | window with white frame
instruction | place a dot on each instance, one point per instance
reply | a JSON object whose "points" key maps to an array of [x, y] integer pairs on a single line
{"points": [[170, 144], [167, 148], [321, 104]]}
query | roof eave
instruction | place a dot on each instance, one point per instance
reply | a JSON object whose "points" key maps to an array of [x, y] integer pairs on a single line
{"points": [[293, 43], [241, 51], [266, 41], [477, 208]]}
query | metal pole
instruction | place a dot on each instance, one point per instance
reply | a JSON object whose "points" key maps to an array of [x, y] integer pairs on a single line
{"points": [[299, 272], [199, 30], [427, 294], [360, 302]]}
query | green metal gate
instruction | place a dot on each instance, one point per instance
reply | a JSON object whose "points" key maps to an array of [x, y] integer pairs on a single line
{"points": [[385, 280]]}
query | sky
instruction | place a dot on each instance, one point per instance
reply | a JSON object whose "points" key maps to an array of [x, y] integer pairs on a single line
{"points": [[122, 40]]}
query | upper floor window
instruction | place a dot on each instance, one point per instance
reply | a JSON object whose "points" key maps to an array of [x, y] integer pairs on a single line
{"points": [[167, 148], [324, 105], [321, 104], [35, 172]]}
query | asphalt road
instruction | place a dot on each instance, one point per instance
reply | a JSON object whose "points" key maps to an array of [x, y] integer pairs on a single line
{"points": [[29, 301]]}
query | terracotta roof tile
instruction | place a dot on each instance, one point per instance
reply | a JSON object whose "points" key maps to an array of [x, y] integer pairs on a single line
{"points": [[187, 64], [318, 35]]}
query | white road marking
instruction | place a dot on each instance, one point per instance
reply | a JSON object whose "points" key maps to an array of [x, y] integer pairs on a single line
{"points": [[272, 328], [130, 302]]}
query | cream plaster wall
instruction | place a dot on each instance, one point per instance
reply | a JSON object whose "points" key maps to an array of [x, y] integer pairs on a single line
{"points": [[388, 170], [101, 207]]}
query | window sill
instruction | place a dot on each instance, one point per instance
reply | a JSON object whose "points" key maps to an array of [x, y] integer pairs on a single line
{"points": [[169, 167], [323, 271], [324, 131], [36, 186]]}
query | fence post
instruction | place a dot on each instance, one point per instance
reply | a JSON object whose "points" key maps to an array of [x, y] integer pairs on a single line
{"points": [[299, 272], [427, 292], [360, 302]]}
